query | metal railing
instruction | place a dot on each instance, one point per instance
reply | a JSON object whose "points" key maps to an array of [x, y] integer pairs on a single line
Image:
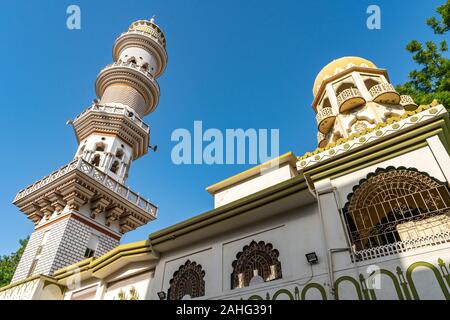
{"points": [[396, 225]]}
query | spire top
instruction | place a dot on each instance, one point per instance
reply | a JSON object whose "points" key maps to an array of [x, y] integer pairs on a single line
{"points": [[152, 19]]}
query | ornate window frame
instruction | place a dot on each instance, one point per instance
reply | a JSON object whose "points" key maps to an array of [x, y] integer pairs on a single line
{"points": [[396, 209], [187, 280], [256, 259]]}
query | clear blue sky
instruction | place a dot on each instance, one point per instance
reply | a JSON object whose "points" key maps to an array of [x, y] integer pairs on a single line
{"points": [[232, 64]]}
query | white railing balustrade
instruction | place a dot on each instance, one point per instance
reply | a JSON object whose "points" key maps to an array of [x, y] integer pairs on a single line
{"points": [[324, 113], [132, 66], [380, 88], [406, 100], [99, 176], [132, 115], [348, 94], [402, 246], [154, 35]]}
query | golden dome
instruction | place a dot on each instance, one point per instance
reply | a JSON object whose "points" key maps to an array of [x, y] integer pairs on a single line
{"points": [[339, 65], [149, 27]]}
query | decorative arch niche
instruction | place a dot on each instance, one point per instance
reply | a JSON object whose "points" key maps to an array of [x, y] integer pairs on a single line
{"points": [[396, 205], [188, 280], [256, 261]]}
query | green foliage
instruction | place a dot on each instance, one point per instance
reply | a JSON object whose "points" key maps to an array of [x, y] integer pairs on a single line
{"points": [[9, 263], [426, 98], [432, 81]]}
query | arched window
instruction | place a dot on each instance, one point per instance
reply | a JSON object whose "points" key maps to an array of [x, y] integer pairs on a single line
{"points": [[370, 82], [114, 167], [396, 205], [344, 86], [119, 153], [326, 103], [132, 60], [100, 146], [96, 160], [145, 66], [256, 263], [187, 282]]}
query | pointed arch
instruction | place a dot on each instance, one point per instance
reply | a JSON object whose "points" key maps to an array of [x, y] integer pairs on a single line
{"points": [[114, 167], [119, 153], [100, 146], [370, 82], [257, 259], [96, 160], [344, 86], [188, 280]]}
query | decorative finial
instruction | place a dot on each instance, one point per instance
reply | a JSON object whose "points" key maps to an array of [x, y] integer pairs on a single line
{"points": [[152, 19]]}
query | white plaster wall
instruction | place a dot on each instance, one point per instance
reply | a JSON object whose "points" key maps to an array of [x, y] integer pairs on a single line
{"points": [[264, 180], [142, 56], [293, 234], [108, 156], [90, 287]]}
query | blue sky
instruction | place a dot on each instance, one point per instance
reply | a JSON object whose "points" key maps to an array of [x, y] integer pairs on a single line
{"points": [[232, 64]]}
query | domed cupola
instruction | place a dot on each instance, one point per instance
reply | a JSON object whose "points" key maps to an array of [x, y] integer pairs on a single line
{"points": [[352, 94]]}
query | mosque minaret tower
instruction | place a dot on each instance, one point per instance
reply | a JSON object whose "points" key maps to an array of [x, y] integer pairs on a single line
{"points": [[82, 209]]}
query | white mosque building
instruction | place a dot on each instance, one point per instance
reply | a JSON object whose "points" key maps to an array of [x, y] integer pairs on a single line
{"points": [[364, 216]]}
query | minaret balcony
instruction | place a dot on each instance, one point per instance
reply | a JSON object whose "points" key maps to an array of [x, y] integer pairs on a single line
{"points": [[119, 120], [384, 93], [79, 183], [134, 76], [325, 119], [407, 102], [115, 110], [350, 98]]}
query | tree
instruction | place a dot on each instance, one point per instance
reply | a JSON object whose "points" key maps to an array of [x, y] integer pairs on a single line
{"points": [[9, 263], [432, 81]]}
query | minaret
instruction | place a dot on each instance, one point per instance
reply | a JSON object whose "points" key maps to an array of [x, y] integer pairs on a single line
{"points": [[352, 94], [82, 209]]}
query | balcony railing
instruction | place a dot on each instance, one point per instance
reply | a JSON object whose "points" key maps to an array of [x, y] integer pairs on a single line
{"points": [[132, 115], [99, 176], [402, 246], [154, 35], [407, 102], [325, 119], [384, 93], [349, 99], [132, 66]]}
